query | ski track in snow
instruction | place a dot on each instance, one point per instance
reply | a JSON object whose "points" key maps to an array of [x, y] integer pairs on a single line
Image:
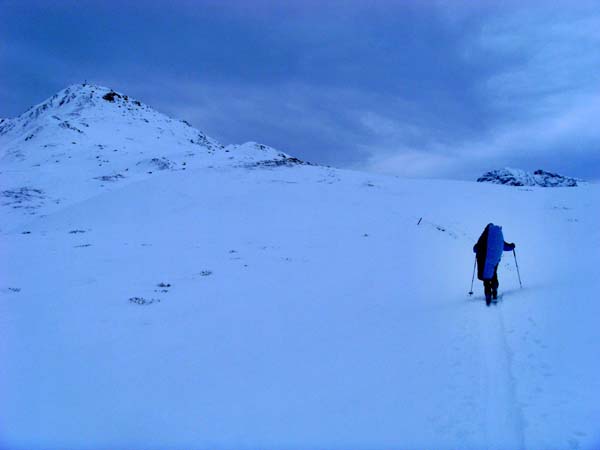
{"points": [[504, 423]]}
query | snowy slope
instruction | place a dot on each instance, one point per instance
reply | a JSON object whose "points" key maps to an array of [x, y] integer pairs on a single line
{"points": [[237, 305]]}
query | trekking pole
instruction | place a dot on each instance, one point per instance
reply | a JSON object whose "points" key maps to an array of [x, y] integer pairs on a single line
{"points": [[473, 277], [517, 264]]}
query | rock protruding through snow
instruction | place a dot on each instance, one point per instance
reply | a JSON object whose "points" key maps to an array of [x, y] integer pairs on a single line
{"points": [[518, 177]]}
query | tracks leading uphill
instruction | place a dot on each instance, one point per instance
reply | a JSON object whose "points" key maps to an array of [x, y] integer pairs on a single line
{"points": [[504, 420]]}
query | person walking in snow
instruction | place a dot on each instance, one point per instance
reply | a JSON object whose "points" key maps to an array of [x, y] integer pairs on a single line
{"points": [[488, 250]]}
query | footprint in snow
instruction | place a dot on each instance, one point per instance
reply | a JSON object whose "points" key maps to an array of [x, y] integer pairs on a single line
{"points": [[163, 287], [143, 301], [12, 290]]}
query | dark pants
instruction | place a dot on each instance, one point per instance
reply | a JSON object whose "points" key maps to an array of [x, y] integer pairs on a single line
{"points": [[490, 286]]}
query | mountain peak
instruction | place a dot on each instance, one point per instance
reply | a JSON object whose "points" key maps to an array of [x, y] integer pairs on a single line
{"points": [[78, 101], [77, 97]]}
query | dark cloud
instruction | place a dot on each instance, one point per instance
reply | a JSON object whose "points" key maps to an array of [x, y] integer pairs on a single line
{"points": [[415, 88]]}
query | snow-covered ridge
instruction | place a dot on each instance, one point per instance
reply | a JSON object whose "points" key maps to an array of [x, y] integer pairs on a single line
{"points": [[88, 138], [91, 114], [518, 177]]}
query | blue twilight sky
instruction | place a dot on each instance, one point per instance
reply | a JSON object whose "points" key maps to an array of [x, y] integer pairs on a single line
{"points": [[415, 88]]}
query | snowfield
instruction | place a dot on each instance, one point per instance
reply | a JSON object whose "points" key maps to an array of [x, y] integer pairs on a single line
{"points": [[250, 301]]}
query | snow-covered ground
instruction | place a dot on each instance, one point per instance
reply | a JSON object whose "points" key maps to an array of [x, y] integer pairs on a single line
{"points": [[244, 305]]}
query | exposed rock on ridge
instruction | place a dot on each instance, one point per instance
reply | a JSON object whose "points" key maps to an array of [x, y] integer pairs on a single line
{"points": [[517, 177]]}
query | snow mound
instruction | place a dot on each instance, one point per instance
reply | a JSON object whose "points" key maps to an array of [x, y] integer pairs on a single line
{"points": [[518, 177]]}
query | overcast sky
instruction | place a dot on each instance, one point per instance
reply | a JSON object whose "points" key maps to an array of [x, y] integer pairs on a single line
{"points": [[420, 89]]}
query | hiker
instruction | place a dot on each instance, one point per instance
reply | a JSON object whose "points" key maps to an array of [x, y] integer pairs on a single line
{"points": [[489, 249]]}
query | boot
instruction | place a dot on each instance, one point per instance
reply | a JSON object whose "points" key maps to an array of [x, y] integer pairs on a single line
{"points": [[487, 289]]}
